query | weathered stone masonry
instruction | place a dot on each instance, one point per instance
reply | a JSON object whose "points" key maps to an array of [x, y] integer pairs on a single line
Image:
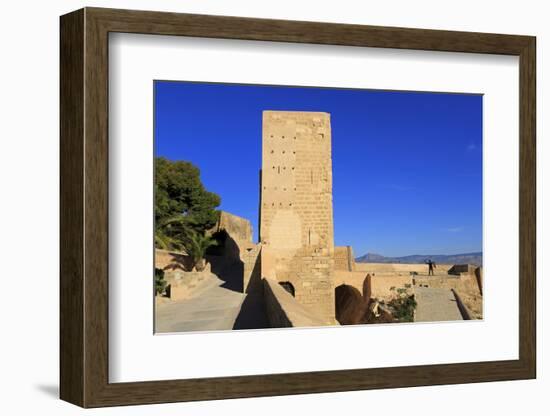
{"points": [[344, 259], [296, 221]]}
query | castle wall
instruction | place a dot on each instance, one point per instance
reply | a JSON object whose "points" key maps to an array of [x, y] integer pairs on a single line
{"points": [[296, 223], [466, 286], [285, 311], [396, 268], [237, 227], [251, 270], [377, 286], [170, 261], [458, 269], [343, 258]]}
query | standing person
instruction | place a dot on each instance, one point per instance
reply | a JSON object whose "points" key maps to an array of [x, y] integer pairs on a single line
{"points": [[431, 267]]}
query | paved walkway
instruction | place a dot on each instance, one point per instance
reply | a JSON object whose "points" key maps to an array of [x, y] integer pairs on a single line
{"points": [[434, 304], [214, 308]]}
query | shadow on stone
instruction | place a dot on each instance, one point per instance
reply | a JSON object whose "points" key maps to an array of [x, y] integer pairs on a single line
{"points": [[226, 262], [253, 313]]}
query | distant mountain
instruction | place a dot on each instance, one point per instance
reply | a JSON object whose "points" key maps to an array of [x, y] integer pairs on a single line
{"points": [[466, 258]]}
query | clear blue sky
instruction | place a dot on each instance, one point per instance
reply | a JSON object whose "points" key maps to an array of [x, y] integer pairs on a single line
{"points": [[407, 166]]}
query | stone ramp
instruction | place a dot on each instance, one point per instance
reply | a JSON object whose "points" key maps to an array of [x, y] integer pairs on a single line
{"points": [[215, 308], [435, 304]]}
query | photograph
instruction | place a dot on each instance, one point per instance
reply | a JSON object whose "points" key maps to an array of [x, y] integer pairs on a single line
{"points": [[281, 203], [292, 206]]}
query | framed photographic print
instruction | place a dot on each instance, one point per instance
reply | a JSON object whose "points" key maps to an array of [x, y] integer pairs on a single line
{"points": [[255, 207]]}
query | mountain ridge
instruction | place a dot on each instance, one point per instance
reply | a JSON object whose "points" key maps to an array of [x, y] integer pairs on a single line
{"points": [[463, 258]]}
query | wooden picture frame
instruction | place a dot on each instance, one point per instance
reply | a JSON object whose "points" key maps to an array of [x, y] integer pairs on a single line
{"points": [[84, 207]]}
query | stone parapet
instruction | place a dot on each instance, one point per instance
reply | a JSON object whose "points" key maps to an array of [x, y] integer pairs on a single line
{"points": [[460, 269], [284, 311]]}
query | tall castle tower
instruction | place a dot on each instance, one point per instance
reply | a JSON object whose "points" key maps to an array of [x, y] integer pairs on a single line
{"points": [[296, 223]]}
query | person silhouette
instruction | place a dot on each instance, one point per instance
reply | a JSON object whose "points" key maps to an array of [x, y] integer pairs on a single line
{"points": [[431, 266]]}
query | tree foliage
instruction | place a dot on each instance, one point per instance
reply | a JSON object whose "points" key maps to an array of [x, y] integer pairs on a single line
{"points": [[160, 283], [402, 304], [171, 232], [196, 245], [182, 204]]}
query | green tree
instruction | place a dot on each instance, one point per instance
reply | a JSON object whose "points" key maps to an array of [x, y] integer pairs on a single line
{"points": [[160, 283], [196, 244], [170, 232], [182, 204]]}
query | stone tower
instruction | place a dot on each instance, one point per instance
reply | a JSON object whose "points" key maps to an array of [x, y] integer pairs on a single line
{"points": [[296, 225]]}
